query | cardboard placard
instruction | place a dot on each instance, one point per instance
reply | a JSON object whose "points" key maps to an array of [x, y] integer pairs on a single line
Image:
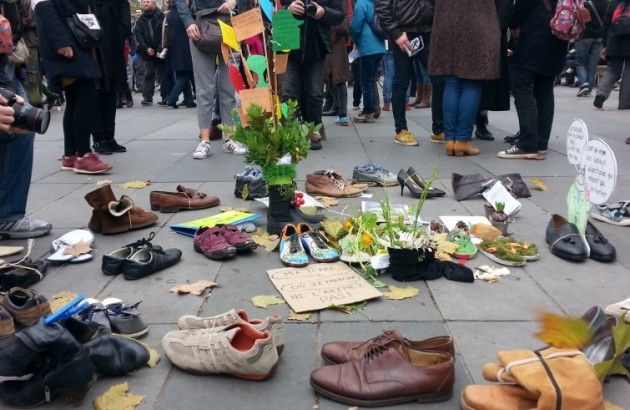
{"points": [[247, 24], [260, 96], [320, 286], [280, 62]]}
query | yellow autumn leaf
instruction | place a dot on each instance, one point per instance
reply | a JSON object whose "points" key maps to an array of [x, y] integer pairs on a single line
{"points": [[299, 317], [262, 238], [396, 293], [60, 299], [262, 301], [327, 201], [610, 406], [78, 248], [135, 184], [118, 397], [563, 332], [538, 183]]}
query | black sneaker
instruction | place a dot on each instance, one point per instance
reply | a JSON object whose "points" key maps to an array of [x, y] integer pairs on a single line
{"points": [[7, 327], [102, 148], [125, 320], [23, 275], [516, 153], [585, 90], [114, 146], [483, 133], [148, 261], [598, 102], [146, 103], [163, 102]]}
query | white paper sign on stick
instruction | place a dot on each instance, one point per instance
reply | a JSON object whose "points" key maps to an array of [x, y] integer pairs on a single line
{"points": [[600, 171], [577, 137]]}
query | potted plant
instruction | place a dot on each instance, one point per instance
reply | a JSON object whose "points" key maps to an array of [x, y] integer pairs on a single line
{"points": [[498, 218], [276, 146]]}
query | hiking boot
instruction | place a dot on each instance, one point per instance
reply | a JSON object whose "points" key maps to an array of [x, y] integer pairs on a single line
{"points": [[234, 147], [240, 351], [462, 148], [329, 183], [24, 228], [241, 242], [90, 163], [7, 328], [598, 102], [202, 151], [224, 321], [67, 163], [125, 320], [26, 306], [363, 118], [212, 244], [405, 137], [515, 152], [438, 138], [291, 250]]}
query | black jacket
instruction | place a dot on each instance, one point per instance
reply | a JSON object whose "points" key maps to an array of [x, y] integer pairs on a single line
{"points": [[594, 28], [179, 50], [536, 49], [115, 21], [148, 32], [616, 46], [405, 16]]}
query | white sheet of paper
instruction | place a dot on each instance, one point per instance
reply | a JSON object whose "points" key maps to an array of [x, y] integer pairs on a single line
{"points": [[498, 193]]}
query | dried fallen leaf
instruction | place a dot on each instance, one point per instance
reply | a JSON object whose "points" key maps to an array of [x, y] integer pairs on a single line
{"points": [[610, 406], [299, 317], [333, 228], [60, 299], [135, 184], [262, 301], [78, 248], [350, 308], [563, 332], [538, 183], [262, 238], [228, 209], [396, 293], [327, 201], [154, 356], [245, 192], [118, 397], [196, 288]]}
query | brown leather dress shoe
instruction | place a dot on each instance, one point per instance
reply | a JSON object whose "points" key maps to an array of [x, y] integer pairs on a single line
{"points": [[183, 200], [330, 183], [341, 352], [388, 374]]}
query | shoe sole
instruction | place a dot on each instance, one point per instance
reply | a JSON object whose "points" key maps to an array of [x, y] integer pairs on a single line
{"points": [[245, 247], [217, 256], [136, 335], [343, 196], [294, 265], [624, 222], [462, 403], [25, 235], [438, 141], [421, 398], [522, 156], [204, 157], [67, 168], [249, 377], [83, 171], [501, 261], [375, 183], [409, 144], [155, 207]]}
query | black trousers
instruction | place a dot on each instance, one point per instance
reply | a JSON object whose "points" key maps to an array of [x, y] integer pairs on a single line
{"points": [[304, 83], [153, 69], [104, 117], [81, 103], [533, 98]]}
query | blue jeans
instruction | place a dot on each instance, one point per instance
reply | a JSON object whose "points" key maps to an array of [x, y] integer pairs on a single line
{"points": [[182, 84], [460, 103], [16, 165], [587, 52], [388, 76], [369, 65]]}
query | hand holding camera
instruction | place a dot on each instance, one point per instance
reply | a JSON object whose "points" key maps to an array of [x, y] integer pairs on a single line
{"points": [[15, 117], [309, 8]]}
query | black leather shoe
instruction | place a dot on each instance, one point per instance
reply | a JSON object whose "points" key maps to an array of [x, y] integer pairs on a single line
{"points": [[483, 133], [601, 249], [23, 276], [116, 355], [148, 261], [564, 240], [113, 262], [115, 146], [417, 178]]}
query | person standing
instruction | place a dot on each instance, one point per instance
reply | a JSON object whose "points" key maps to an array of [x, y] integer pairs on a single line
{"points": [[148, 33], [588, 48], [371, 50], [404, 21], [303, 79], [617, 53], [181, 61], [337, 68]]}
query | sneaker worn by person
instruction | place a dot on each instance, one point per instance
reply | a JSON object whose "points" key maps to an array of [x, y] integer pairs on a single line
{"points": [[7, 327], [240, 351], [146, 103], [364, 118], [26, 306], [202, 150], [67, 163], [90, 163], [405, 137], [212, 244], [584, 91], [515, 152], [541, 154], [234, 147], [342, 121], [219, 323], [387, 107], [291, 249], [316, 141], [598, 102], [438, 138], [356, 107], [24, 228], [315, 245], [125, 320]]}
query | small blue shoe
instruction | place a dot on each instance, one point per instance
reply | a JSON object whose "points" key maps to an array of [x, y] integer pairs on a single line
{"points": [[315, 245], [292, 252], [342, 121]]}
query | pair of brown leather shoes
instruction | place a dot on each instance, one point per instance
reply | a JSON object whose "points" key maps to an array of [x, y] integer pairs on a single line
{"points": [[185, 199], [387, 370]]}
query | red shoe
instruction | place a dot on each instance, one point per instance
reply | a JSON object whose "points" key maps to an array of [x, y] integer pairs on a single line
{"points": [[67, 163], [90, 163], [387, 107]]}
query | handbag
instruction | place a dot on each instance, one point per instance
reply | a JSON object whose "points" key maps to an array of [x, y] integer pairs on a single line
{"points": [[86, 29], [208, 23]]}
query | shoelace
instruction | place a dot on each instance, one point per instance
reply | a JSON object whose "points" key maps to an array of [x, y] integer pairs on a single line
{"points": [[332, 177], [120, 309], [318, 240], [378, 345], [294, 242]]}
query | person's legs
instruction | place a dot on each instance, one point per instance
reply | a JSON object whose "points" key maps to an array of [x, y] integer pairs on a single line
{"points": [[83, 114], [356, 82], [341, 92], [16, 165], [189, 101], [204, 73], [167, 78], [611, 76], [388, 77], [313, 94], [526, 109], [227, 100], [368, 70], [543, 92], [450, 105], [582, 52], [69, 139], [148, 87], [468, 107], [180, 82], [593, 61], [437, 118], [403, 69]]}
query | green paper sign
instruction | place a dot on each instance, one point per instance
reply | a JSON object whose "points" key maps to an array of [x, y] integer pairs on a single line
{"points": [[285, 32], [258, 64], [285, 110]]}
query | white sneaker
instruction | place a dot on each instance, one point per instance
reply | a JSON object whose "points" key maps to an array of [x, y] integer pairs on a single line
{"points": [[234, 147], [202, 151]]}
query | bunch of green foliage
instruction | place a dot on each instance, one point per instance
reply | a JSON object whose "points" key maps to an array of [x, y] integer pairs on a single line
{"points": [[502, 249]]}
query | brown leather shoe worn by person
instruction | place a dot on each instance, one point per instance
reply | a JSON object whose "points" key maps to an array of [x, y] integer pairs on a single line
{"points": [[330, 183], [183, 200], [462, 148], [111, 216], [389, 373], [341, 352], [448, 146]]}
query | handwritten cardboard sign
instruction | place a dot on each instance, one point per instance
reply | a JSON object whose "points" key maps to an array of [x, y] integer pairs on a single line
{"points": [[280, 62], [320, 286], [247, 24], [260, 96]]}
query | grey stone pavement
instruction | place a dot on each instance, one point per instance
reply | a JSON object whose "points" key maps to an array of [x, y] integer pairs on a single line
{"points": [[482, 318]]}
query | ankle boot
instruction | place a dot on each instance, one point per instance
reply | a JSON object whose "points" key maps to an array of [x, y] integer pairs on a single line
{"points": [[111, 216], [25, 352], [425, 101], [462, 148], [419, 95], [111, 141], [116, 355], [279, 211], [101, 146], [70, 376], [448, 146], [482, 132], [128, 98]]}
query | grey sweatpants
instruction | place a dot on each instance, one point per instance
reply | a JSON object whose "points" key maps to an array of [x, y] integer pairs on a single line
{"points": [[615, 71], [204, 68]]}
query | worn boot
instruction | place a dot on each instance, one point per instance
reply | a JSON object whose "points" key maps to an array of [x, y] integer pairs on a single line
{"points": [[111, 141], [114, 355], [419, 95], [128, 98], [482, 132], [425, 100], [111, 216], [279, 211], [462, 148], [101, 145]]}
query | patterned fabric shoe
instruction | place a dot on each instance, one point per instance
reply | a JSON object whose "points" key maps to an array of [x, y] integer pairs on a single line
{"points": [[241, 351], [314, 243], [614, 214], [291, 249], [224, 321]]}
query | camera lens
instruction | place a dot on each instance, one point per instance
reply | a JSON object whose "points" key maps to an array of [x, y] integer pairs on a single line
{"points": [[31, 118]]}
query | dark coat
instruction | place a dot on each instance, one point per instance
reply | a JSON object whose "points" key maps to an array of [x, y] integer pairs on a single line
{"points": [[535, 49], [148, 31], [52, 14], [115, 21], [404, 16], [179, 50], [496, 93], [616, 46], [466, 40], [594, 28]]}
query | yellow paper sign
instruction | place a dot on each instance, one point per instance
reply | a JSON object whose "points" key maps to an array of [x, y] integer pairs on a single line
{"points": [[229, 37], [247, 24], [277, 105]]}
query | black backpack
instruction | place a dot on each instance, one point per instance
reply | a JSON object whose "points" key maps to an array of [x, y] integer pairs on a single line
{"points": [[620, 25]]}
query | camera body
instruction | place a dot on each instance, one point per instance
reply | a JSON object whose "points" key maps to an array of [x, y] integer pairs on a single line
{"points": [[29, 118], [309, 8]]}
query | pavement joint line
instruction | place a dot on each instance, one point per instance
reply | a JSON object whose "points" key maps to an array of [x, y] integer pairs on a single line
{"points": [[161, 390]]}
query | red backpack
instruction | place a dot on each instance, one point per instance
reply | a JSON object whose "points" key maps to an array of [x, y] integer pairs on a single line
{"points": [[6, 39], [621, 19], [569, 20]]}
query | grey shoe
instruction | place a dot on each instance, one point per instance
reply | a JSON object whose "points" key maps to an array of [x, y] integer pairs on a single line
{"points": [[24, 228], [541, 154], [374, 174], [365, 118], [125, 320]]}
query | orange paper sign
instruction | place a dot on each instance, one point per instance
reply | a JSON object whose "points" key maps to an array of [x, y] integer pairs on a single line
{"points": [[280, 62], [247, 24]]}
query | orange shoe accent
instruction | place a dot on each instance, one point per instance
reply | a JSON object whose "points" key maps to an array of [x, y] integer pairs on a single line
{"points": [[462, 148]]}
